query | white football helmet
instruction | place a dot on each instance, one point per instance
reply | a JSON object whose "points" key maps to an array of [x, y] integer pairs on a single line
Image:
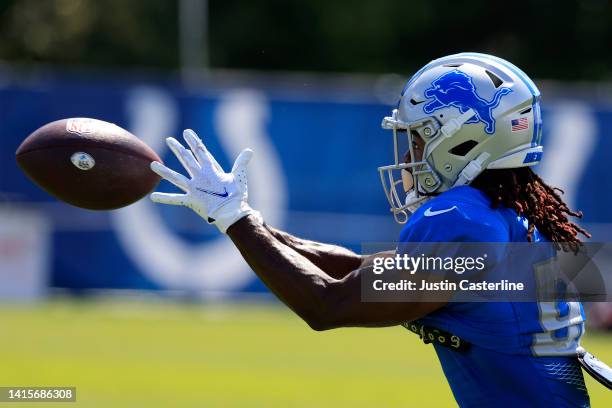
{"points": [[474, 112]]}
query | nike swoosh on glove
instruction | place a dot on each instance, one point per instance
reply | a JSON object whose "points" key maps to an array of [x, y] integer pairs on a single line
{"points": [[218, 197]]}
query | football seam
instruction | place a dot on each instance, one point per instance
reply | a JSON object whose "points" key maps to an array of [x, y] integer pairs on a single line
{"points": [[85, 147]]}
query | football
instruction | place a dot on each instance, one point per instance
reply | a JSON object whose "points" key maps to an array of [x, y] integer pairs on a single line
{"points": [[88, 163]]}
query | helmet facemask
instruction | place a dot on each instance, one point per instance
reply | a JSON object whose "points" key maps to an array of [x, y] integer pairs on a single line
{"points": [[416, 175], [425, 179]]}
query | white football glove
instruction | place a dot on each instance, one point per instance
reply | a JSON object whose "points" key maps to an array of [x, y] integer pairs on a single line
{"points": [[218, 197]]}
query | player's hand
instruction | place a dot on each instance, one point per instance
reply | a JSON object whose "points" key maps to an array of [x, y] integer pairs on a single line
{"points": [[218, 197]]}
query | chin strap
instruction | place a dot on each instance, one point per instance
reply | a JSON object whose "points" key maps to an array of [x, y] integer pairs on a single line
{"points": [[472, 170], [452, 126]]}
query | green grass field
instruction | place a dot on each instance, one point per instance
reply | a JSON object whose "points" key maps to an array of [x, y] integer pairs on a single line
{"points": [[152, 354]]}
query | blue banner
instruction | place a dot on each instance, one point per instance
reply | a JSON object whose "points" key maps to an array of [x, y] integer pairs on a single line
{"points": [[313, 173]]}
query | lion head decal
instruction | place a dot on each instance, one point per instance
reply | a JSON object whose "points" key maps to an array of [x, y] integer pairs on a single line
{"points": [[455, 88]]}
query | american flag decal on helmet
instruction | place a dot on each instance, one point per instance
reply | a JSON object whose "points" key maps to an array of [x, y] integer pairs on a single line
{"points": [[519, 124]]}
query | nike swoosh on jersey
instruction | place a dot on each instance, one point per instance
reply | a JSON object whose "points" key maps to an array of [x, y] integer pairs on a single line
{"points": [[429, 213], [224, 194]]}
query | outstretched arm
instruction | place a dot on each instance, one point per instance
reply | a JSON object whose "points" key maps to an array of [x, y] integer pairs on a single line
{"points": [[322, 301], [334, 260], [293, 271]]}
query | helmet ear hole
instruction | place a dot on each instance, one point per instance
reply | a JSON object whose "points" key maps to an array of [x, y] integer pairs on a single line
{"points": [[463, 148]]}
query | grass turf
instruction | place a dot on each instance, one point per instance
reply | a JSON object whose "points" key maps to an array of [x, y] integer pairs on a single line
{"points": [[150, 354]]}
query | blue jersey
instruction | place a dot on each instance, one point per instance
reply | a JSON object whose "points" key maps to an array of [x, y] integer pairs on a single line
{"points": [[527, 346]]}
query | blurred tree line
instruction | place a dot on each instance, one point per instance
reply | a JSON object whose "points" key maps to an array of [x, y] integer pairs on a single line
{"points": [[548, 38]]}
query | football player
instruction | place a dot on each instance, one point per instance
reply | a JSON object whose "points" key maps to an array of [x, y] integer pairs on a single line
{"points": [[471, 127]]}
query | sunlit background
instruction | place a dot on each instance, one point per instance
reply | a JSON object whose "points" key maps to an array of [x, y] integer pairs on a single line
{"points": [[149, 306]]}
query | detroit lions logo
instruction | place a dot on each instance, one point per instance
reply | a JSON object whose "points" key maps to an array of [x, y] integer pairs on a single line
{"points": [[456, 89]]}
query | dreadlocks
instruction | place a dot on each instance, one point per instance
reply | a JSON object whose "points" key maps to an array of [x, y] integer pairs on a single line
{"points": [[525, 192]]}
